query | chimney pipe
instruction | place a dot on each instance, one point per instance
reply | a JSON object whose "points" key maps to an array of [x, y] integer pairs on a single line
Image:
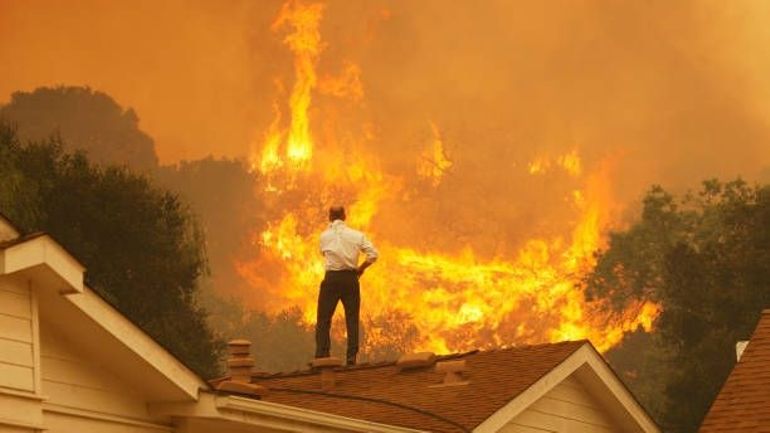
{"points": [[240, 367], [240, 363], [327, 367]]}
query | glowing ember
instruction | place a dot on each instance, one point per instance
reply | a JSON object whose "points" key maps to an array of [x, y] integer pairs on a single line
{"points": [[455, 301]]}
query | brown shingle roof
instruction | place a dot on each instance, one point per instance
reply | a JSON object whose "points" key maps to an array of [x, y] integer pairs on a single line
{"points": [[743, 404], [408, 398]]}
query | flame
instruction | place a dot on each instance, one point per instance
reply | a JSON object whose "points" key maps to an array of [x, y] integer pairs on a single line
{"points": [[454, 301], [305, 43], [346, 86]]}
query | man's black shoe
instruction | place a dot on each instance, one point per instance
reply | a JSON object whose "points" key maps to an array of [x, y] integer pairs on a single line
{"points": [[351, 362]]}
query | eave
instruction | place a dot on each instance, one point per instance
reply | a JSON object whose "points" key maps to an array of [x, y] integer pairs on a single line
{"points": [[257, 413]]}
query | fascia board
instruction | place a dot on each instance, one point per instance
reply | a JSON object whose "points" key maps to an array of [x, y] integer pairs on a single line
{"points": [[295, 414], [43, 252], [128, 334], [630, 404]]}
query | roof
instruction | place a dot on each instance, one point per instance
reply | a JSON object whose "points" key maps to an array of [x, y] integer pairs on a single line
{"points": [[743, 404], [380, 393]]}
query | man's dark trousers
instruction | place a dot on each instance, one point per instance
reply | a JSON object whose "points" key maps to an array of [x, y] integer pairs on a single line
{"points": [[338, 286]]}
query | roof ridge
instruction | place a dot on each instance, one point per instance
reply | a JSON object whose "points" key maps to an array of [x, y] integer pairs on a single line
{"points": [[493, 378], [388, 363]]}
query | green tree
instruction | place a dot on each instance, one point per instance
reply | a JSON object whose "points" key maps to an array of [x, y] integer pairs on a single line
{"points": [[705, 258], [141, 245], [85, 120]]}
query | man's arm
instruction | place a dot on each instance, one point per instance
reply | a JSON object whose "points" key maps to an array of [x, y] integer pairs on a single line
{"points": [[371, 254]]}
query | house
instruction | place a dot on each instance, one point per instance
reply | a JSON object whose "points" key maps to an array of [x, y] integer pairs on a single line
{"points": [[70, 362], [743, 403]]}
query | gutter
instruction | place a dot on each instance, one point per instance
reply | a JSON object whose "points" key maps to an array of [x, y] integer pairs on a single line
{"points": [[278, 417], [259, 407]]}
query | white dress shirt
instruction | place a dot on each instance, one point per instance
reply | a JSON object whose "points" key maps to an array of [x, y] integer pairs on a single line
{"points": [[340, 245]]}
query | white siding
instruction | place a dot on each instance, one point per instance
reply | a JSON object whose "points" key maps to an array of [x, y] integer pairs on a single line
{"points": [[18, 412], [568, 407], [83, 396], [17, 363]]}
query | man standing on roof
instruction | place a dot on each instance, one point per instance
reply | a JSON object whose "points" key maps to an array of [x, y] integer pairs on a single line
{"points": [[340, 246]]}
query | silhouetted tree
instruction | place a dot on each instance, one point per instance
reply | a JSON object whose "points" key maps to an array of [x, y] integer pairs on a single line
{"points": [[85, 120]]}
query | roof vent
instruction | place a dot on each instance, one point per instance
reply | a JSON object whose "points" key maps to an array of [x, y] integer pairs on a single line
{"points": [[453, 371], [328, 375], [415, 360], [240, 367]]}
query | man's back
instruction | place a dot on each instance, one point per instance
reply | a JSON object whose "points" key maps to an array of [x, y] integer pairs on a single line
{"points": [[341, 246]]}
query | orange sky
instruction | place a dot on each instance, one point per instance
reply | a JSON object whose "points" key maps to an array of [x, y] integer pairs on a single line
{"points": [[186, 67]]}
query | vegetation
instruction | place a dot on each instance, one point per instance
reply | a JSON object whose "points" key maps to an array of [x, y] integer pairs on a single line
{"points": [[141, 245], [705, 257]]}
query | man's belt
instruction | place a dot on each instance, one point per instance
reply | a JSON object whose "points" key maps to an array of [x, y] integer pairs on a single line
{"points": [[341, 271]]}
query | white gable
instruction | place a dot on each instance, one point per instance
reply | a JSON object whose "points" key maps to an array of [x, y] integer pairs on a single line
{"points": [[567, 407]]}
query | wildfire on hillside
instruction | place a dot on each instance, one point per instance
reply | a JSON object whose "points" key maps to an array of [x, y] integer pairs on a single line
{"points": [[455, 299]]}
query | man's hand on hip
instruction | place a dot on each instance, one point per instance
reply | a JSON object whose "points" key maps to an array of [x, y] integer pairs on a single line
{"points": [[362, 267]]}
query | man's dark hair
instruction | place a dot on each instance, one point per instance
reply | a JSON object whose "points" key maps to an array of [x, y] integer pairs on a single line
{"points": [[336, 213]]}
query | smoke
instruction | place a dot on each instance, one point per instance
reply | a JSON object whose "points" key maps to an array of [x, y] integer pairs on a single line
{"points": [[667, 88], [677, 88], [648, 92]]}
